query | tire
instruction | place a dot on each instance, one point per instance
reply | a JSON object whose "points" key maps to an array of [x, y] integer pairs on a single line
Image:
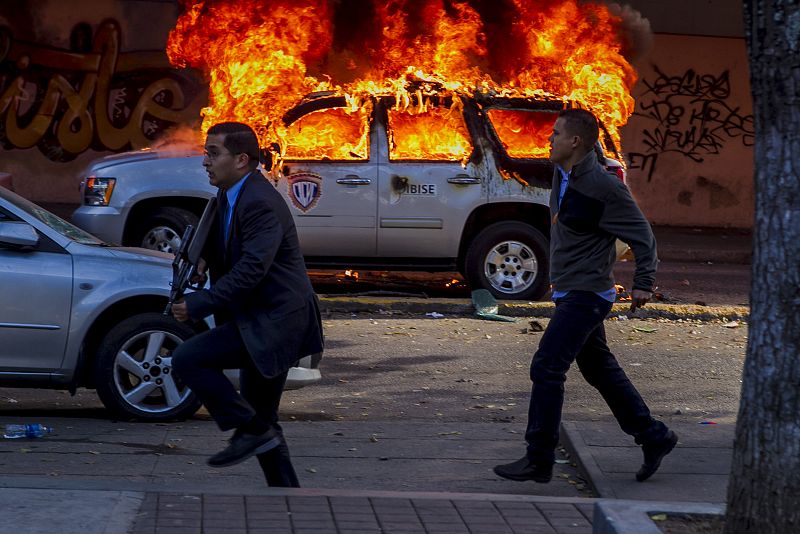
{"points": [[135, 385], [163, 228], [511, 260]]}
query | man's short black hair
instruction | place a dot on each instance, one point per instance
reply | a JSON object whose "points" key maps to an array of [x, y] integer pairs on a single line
{"points": [[239, 139], [581, 123]]}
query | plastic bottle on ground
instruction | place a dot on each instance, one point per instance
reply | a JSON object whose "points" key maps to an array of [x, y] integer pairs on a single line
{"points": [[34, 430]]}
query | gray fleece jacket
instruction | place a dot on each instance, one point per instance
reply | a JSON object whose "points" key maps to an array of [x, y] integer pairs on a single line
{"points": [[597, 208]]}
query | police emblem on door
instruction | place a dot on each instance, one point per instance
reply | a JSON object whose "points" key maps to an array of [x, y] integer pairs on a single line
{"points": [[305, 188]]}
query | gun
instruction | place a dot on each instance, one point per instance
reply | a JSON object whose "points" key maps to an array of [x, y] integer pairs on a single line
{"points": [[184, 266]]}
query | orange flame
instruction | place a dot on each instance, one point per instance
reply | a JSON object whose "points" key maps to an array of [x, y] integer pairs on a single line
{"points": [[261, 58], [332, 132], [435, 133], [524, 135]]}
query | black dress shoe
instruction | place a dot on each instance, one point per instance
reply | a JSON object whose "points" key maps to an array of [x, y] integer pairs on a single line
{"points": [[654, 453], [523, 469], [243, 446]]}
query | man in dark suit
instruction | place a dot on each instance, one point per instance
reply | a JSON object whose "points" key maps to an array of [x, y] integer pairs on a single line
{"points": [[263, 303]]}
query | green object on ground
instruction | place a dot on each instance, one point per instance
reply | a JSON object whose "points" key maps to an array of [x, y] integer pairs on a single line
{"points": [[486, 307]]}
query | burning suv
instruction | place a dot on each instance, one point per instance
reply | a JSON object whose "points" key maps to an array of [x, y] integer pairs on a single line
{"points": [[433, 183]]}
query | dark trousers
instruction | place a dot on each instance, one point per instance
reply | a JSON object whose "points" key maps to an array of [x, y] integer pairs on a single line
{"points": [[576, 333], [199, 362]]}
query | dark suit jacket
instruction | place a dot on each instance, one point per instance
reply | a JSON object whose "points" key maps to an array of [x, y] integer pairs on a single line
{"points": [[260, 281]]}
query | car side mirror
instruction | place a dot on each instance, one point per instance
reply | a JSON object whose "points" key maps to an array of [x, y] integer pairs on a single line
{"points": [[17, 234]]}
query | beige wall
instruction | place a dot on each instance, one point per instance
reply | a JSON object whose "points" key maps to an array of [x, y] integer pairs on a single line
{"points": [[689, 143], [717, 18]]}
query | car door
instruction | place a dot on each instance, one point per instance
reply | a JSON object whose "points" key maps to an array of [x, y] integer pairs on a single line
{"points": [[330, 181], [426, 191], [36, 293]]}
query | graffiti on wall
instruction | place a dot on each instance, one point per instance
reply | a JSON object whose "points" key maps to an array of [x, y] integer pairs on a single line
{"points": [[691, 115], [92, 95]]}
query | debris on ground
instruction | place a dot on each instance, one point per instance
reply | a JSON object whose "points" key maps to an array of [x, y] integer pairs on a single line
{"points": [[535, 326], [486, 307]]}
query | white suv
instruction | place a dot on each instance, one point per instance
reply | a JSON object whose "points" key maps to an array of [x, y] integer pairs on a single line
{"points": [[479, 206]]}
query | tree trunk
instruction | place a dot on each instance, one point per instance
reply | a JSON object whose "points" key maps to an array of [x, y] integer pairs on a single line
{"points": [[764, 489]]}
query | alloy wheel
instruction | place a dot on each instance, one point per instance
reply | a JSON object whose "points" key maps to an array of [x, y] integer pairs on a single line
{"points": [[510, 267], [143, 372], [162, 238]]}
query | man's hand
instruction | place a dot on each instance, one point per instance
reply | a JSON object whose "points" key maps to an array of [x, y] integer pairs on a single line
{"points": [[200, 277], [180, 311], [639, 298]]}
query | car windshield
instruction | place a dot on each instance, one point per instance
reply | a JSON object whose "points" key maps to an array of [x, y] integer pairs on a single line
{"points": [[53, 221]]}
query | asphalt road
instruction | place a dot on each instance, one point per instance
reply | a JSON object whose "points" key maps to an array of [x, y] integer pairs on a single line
{"points": [[397, 367], [462, 369]]}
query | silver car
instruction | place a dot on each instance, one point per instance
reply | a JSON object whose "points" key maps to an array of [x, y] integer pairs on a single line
{"points": [[76, 312], [477, 204]]}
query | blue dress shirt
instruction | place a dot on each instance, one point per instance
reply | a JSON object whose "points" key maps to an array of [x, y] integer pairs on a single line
{"points": [[231, 194]]}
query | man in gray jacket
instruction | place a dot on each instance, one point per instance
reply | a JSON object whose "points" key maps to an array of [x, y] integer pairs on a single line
{"points": [[590, 208]]}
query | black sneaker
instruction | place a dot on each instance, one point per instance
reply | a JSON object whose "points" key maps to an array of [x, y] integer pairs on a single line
{"points": [[654, 453], [243, 446], [523, 469]]}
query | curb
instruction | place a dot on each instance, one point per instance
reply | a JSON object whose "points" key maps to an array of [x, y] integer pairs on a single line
{"points": [[633, 517], [577, 448], [130, 493], [464, 307]]}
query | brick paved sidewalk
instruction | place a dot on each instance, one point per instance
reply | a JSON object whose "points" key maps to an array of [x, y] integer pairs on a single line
{"points": [[181, 513]]}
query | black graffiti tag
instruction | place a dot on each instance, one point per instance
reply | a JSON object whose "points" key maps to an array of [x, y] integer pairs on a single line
{"points": [[692, 117]]}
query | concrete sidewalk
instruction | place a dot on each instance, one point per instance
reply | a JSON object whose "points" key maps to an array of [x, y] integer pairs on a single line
{"points": [[696, 471], [124, 477]]}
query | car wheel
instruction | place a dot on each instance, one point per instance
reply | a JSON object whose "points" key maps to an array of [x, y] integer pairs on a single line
{"points": [[510, 259], [133, 370], [163, 228]]}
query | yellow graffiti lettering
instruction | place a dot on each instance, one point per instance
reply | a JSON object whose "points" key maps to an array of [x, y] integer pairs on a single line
{"points": [[81, 112], [30, 135], [76, 125]]}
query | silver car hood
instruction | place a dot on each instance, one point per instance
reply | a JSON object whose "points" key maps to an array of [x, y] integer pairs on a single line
{"points": [[141, 254], [142, 155]]}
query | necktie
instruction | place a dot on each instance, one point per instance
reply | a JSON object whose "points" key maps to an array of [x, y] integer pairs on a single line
{"points": [[228, 214], [223, 219]]}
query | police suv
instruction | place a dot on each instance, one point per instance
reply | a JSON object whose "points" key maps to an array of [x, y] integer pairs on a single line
{"points": [[483, 212]]}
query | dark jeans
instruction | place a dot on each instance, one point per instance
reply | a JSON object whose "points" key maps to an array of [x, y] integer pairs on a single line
{"points": [[576, 333], [200, 362]]}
